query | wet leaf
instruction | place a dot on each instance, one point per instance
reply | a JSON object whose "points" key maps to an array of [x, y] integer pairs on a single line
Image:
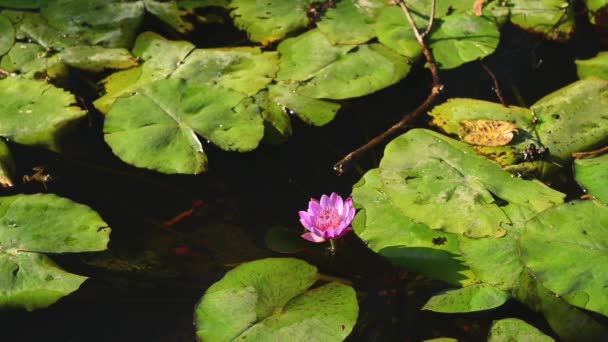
{"points": [[472, 298], [591, 174], [394, 31], [487, 132], [267, 300], [31, 225], [269, 21], [35, 113], [461, 38], [571, 234], [97, 58], [32, 61], [444, 184], [312, 111], [7, 166], [7, 35], [573, 118], [275, 116], [596, 66], [513, 329], [156, 127], [351, 21], [553, 19], [362, 71], [403, 241]]}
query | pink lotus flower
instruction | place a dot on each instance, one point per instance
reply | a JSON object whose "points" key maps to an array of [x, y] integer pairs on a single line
{"points": [[328, 219]]}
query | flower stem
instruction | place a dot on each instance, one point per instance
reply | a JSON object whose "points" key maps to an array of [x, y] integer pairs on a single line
{"points": [[332, 242]]}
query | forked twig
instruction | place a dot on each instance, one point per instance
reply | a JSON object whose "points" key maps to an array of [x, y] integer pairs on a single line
{"points": [[342, 165]]}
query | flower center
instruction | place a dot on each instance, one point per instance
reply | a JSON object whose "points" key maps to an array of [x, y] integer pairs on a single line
{"points": [[328, 218]]}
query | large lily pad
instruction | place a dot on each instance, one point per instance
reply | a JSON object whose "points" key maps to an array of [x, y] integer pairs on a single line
{"points": [[269, 21], [96, 58], [572, 234], [265, 300], [364, 70], [34, 224], [177, 13], [472, 298], [35, 113], [312, 111], [444, 184], [513, 329], [462, 38], [552, 18], [32, 61], [155, 128], [394, 31], [592, 174], [573, 118]]}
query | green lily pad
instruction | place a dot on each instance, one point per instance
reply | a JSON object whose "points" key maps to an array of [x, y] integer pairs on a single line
{"points": [[156, 127], [33, 61], [364, 70], [31, 225], [513, 329], [35, 113], [394, 31], [449, 115], [276, 119], [97, 58], [269, 21], [305, 55], [443, 7], [445, 185], [7, 166], [472, 298], [7, 35], [162, 57], [554, 19], [20, 4], [390, 233], [312, 111], [266, 300], [110, 23], [596, 66], [571, 234], [461, 38], [573, 118], [351, 21], [591, 174]]}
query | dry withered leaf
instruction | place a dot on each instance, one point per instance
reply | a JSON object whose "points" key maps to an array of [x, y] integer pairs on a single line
{"points": [[486, 132]]}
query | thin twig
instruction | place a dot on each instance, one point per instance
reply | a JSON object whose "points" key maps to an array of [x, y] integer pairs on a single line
{"points": [[342, 165], [496, 87], [431, 20], [7, 73], [579, 155]]}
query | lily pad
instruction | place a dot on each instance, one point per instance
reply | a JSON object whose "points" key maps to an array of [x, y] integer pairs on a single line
{"points": [[445, 185], [394, 31], [596, 66], [351, 21], [20, 4], [513, 329], [266, 300], [461, 38], [177, 13], [97, 58], [31, 225], [269, 21], [156, 127], [571, 234], [33, 61], [573, 118], [596, 9], [472, 298], [7, 166], [554, 19], [364, 70], [7, 35], [35, 113], [312, 111], [592, 174]]}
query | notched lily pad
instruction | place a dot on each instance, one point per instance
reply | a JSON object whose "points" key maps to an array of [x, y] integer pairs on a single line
{"points": [[31, 225], [268, 300], [156, 127], [572, 234], [35, 113]]}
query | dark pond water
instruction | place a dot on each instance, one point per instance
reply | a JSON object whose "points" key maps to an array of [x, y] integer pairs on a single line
{"points": [[144, 288]]}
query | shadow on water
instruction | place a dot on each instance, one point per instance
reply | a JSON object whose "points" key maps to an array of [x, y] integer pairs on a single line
{"points": [[145, 286]]}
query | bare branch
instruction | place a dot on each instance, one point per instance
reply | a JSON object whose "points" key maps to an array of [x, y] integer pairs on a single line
{"points": [[579, 155], [496, 86]]}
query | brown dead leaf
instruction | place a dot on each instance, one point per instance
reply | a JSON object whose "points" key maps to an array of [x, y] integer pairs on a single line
{"points": [[486, 132], [478, 7]]}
